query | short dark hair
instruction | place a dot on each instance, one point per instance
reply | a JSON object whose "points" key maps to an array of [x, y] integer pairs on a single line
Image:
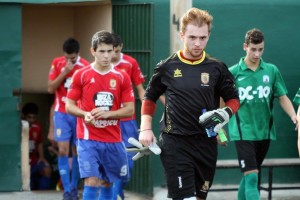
{"points": [[102, 37], [254, 36], [71, 45], [30, 108], [117, 40]]}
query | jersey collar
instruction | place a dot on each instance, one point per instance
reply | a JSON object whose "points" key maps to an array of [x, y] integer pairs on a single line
{"points": [[189, 62], [244, 66]]}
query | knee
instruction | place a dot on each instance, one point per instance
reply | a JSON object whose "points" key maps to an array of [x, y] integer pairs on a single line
{"points": [[251, 179], [91, 181], [105, 183]]}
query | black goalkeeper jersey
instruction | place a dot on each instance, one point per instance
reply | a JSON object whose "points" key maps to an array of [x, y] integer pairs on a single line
{"points": [[189, 87]]}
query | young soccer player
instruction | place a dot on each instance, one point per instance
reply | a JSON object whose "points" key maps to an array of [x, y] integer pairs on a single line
{"points": [[252, 127], [104, 96]]}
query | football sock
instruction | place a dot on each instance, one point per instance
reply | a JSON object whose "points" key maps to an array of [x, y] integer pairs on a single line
{"points": [[89, 193], [118, 189], [241, 190], [64, 172], [75, 173], [106, 193], [251, 190], [44, 183]]}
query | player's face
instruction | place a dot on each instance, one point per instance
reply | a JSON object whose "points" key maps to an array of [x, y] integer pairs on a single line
{"points": [[71, 57], [254, 52], [117, 54], [103, 54], [195, 39], [31, 118]]}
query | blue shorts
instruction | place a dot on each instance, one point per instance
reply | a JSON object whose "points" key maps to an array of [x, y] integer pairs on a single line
{"points": [[129, 129], [105, 160], [64, 127]]}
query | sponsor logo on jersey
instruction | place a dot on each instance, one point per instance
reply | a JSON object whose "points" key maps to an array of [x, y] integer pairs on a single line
{"points": [[177, 73], [205, 78], [105, 122], [249, 93], [104, 100], [68, 83], [266, 79]]}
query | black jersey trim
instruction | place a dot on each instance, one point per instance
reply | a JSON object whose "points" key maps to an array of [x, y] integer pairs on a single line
{"points": [[239, 125], [189, 62]]}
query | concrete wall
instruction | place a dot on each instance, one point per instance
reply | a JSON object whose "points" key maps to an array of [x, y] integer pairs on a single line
{"points": [[44, 29]]}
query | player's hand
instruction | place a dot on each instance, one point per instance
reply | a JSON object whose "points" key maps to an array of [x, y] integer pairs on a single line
{"points": [[294, 119], [215, 118], [141, 150], [146, 137], [99, 113], [69, 66], [88, 118]]}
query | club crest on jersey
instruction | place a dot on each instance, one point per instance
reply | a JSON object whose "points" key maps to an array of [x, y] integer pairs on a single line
{"points": [[177, 73], [266, 79], [204, 78], [112, 83]]}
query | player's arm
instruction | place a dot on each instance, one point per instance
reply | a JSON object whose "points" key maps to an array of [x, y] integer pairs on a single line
{"points": [[141, 91], [219, 117], [126, 110], [288, 108], [73, 109], [147, 136]]}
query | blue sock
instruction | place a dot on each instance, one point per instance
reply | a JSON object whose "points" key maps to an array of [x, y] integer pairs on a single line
{"points": [[44, 183], [64, 172], [117, 188], [75, 173], [90, 193], [106, 193]]}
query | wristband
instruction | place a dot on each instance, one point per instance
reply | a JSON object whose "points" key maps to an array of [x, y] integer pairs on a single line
{"points": [[146, 130]]}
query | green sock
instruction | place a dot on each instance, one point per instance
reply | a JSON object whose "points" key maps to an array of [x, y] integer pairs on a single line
{"points": [[241, 191], [251, 190]]}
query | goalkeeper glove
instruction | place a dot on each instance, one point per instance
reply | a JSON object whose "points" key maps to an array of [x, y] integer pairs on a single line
{"points": [[215, 118], [141, 150]]}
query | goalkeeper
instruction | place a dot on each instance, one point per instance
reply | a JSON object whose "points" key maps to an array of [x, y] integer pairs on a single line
{"points": [[191, 81]]}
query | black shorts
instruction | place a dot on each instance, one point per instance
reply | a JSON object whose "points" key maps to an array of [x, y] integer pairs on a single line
{"points": [[189, 164], [251, 154]]}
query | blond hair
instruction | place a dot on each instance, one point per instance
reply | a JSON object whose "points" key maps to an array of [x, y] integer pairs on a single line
{"points": [[196, 17]]}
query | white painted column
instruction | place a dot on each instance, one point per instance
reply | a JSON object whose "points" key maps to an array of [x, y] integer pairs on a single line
{"points": [[25, 166], [177, 9]]}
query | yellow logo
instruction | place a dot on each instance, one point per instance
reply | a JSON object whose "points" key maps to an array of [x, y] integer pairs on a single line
{"points": [[113, 83], [204, 78], [177, 73]]}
